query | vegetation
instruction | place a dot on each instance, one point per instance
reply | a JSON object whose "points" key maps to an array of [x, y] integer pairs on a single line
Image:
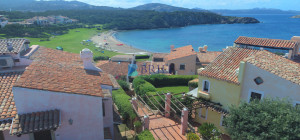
{"points": [[159, 80], [174, 89], [71, 42], [193, 84], [192, 136], [121, 99], [123, 84], [266, 119], [209, 131], [145, 135], [134, 19]]}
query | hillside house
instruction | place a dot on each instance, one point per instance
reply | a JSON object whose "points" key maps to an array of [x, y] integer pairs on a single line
{"points": [[184, 60], [241, 74], [60, 96]]}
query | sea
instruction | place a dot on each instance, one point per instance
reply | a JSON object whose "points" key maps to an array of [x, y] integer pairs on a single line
{"points": [[215, 36]]}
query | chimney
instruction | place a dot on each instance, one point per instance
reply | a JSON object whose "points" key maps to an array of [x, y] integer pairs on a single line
{"points": [[200, 49], [87, 58], [172, 48], [205, 48], [9, 46]]}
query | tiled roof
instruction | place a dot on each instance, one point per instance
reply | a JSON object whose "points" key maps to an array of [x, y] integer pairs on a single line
{"points": [[7, 108], [60, 71], [225, 65], [16, 44], [35, 122], [180, 52], [207, 57], [277, 65], [5, 125], [159, 55], [113, 68], [265, 42]]}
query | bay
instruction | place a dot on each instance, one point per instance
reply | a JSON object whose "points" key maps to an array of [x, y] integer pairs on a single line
{"points": [[216, 36]]}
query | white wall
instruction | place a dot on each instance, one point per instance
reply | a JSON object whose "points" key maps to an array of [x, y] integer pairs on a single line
{"points": [[10, 137], [273, 85], [85, 111]]}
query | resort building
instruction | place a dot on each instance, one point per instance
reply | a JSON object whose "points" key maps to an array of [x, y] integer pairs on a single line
{"points": [[60, 96], [241, 74], [42, 21]]}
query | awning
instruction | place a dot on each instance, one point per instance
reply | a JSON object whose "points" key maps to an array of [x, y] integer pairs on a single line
{"points": [[35, 122]]}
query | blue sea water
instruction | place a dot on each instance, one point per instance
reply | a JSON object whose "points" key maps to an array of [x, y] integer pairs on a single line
{"points": [[216, 36]]}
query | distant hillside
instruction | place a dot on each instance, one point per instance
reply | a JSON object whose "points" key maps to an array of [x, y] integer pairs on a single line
{"points": [[254, 11], [37, 6], [298, 16], [163, 8]]}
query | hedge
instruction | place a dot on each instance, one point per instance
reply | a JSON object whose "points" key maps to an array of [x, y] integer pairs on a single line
{"points": [[142, 57], [121, 99], [123, 84], [159, 80], [145, 135], [193, 84], [141, 86]]}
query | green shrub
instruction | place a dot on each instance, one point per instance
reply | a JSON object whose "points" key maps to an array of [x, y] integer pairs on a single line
{"points": [[209, 131], [145, 135], [122, 100], [141, 86], [124, 85], [160, 101], [101, 58], [193, 84], [192, 136], [159, 80], [137, 81], [137, 124], [142, 57]]}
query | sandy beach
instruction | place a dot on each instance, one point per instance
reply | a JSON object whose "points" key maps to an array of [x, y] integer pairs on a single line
{"points": [[107, 41]]}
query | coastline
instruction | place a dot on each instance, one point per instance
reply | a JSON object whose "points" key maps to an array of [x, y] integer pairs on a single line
{"points": [[107, 40]]}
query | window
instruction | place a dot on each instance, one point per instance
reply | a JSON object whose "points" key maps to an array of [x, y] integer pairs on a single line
{"points": [[17, 60], [42, 135], [255, 95], [258, 80], [222, 120], [103, 108], [182, 66], [206, 86]]}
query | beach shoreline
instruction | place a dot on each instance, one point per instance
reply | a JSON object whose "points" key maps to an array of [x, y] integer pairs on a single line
{"points": [[107, 40]]}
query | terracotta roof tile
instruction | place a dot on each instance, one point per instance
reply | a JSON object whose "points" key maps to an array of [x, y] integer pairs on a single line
{"points": [[113, 68], [35, 122], [207, 57], [7, 103], [17, 44], [180, 52], [59, 71], [277, 65], [265, 42], [225, 65], [5, 125]]}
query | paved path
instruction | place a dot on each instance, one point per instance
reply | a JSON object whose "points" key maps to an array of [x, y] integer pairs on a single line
{"points": [[161, 127]]}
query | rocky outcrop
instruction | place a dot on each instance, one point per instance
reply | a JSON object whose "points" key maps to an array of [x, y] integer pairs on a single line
{"points": [[298, 16], [245, 20]]}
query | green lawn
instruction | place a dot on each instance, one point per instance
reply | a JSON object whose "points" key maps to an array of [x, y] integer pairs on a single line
{"points": [[174, 89], [71, 42]]}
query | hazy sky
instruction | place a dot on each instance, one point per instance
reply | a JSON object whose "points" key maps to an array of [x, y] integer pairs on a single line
{"points": [[205, 4]]}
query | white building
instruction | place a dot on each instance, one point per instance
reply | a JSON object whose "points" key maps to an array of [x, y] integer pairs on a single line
{"points": [[269, 75], [59, 96]]}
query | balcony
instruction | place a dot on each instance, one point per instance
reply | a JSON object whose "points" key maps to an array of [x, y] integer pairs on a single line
{"points": [[203, 94]]}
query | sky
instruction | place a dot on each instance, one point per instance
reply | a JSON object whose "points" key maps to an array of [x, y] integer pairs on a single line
{"points": [[205, 4]]}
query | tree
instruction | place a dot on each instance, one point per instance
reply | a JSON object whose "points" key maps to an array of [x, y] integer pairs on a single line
{"points": [[266, 119]]}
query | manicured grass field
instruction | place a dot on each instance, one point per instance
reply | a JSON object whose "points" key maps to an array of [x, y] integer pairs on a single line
{"points": [[174, 89], [71, 42]]}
